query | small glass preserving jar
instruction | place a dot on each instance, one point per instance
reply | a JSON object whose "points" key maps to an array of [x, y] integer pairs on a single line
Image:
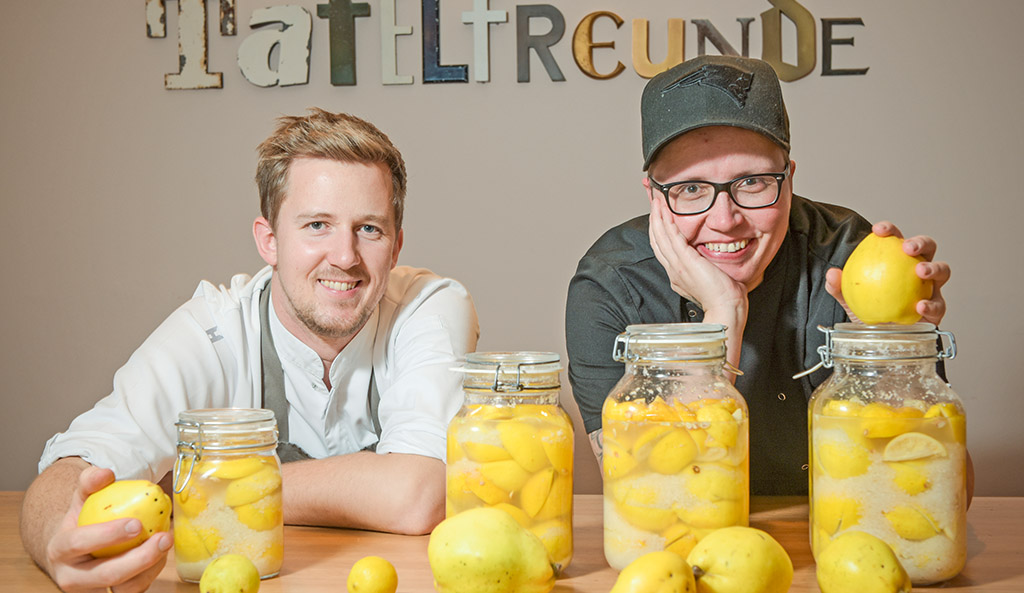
{"points": [[888, 447], [511, 446], [227, 490], [675, 442]]}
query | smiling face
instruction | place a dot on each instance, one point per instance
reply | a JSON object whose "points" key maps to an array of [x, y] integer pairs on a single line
{"points": [[740, 241], [332, 250]]}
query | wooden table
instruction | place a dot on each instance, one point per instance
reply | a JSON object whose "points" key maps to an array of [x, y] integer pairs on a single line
{"points": [[318, 559]]}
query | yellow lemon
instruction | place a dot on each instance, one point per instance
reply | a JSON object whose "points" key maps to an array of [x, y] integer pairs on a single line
{"points": [[842, 460], [230, 573], [372, 574], [517, 513], [714, 482], [507, 475], [192, 544], [138, 499], [673, 452], [645, 442], [661, 572], [232, 469], [261, 515], [484, 452], [680, 539], [619, 411], [661, 411], [191, 501], [714, 515], [536, 490], [558, 446], [858, 562], [556, 535], [559, 501], [522, 443], [252, 487], [616, 460], [721, 426], [912, 522], [880, 420], [458, 493], [741, 559], [834, 513], [487, 490], [955, 417], [483, 412], [453, 452], [646, 518], [880, 283], [912, 445], [911, 477], [841, 408]]}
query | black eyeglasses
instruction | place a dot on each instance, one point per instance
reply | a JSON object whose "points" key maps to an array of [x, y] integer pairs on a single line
{"points": [[697, 196]]}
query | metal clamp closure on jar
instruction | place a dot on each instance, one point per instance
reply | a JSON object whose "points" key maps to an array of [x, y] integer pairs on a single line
{"points": [[865, 332], [511, 372], [221, 431]]}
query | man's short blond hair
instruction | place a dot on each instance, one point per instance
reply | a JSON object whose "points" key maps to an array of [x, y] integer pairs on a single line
{"points": [[322, 134]]}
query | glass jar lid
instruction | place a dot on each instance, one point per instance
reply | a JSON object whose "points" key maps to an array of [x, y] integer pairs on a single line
{"points": [[511, 371], [227, 429], [860, 342], [856, 341], [670, 342]]}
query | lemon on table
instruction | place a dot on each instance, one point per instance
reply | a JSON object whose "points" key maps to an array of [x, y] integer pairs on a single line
{"points": [[912, 445], [880, 283], [858, 562], [372, 574], [656, 572], [230, 573]]}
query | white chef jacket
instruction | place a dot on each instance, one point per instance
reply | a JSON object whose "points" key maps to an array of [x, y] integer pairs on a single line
{"points": [[207, 355]]}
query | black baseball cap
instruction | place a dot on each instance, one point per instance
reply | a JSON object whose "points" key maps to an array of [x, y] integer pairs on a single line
{"points": [[712, 91]]}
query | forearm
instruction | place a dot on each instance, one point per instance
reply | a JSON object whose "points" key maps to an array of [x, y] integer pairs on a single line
{"points": [[394, 492], [46, 502], [734, 318]]}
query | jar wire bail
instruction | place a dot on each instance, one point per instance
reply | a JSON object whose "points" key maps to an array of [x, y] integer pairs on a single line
{"points": [[825, 351]]}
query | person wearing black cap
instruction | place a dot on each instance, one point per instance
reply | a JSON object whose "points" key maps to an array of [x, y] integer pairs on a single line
{"points": [[727, 241]]}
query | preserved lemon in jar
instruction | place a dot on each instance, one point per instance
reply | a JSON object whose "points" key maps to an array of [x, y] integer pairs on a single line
{"points": [[675, 443], [511, 446], [227, 490], [888, 447]]}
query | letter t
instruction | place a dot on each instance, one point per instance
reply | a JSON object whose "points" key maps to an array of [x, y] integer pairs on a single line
{"points": [[341, 16], [481, 18]]}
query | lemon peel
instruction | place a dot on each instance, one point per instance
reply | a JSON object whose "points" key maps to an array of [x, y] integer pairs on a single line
{"points": [[912, 522], [912, 445]]}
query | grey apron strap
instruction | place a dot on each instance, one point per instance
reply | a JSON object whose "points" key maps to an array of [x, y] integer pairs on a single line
{"points": [[273, 384]]}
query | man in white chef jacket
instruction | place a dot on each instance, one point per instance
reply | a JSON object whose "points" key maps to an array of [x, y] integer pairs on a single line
{"points": [[364, 346]]}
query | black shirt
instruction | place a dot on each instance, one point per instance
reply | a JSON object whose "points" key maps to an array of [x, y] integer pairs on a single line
{"points": [[619, 282]]}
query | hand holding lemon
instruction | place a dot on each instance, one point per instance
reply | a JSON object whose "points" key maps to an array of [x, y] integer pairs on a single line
{"points": [[880, 282]]}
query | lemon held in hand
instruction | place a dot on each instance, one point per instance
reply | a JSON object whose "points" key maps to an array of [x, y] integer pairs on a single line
{"points": [[880, 284], [372, 574], [230, 573], [857, 562], [138, 499]]}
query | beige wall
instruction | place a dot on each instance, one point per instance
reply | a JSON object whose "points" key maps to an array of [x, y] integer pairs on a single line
{"points": [[117, 196]]}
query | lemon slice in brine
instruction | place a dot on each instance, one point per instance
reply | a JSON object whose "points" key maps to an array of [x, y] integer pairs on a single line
{"points": [[912, 445]]}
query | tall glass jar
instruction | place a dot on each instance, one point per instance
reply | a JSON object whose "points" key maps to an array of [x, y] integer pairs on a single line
{"points": [[511, 446], [227, 490], [675, 442], [888, 447]]}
